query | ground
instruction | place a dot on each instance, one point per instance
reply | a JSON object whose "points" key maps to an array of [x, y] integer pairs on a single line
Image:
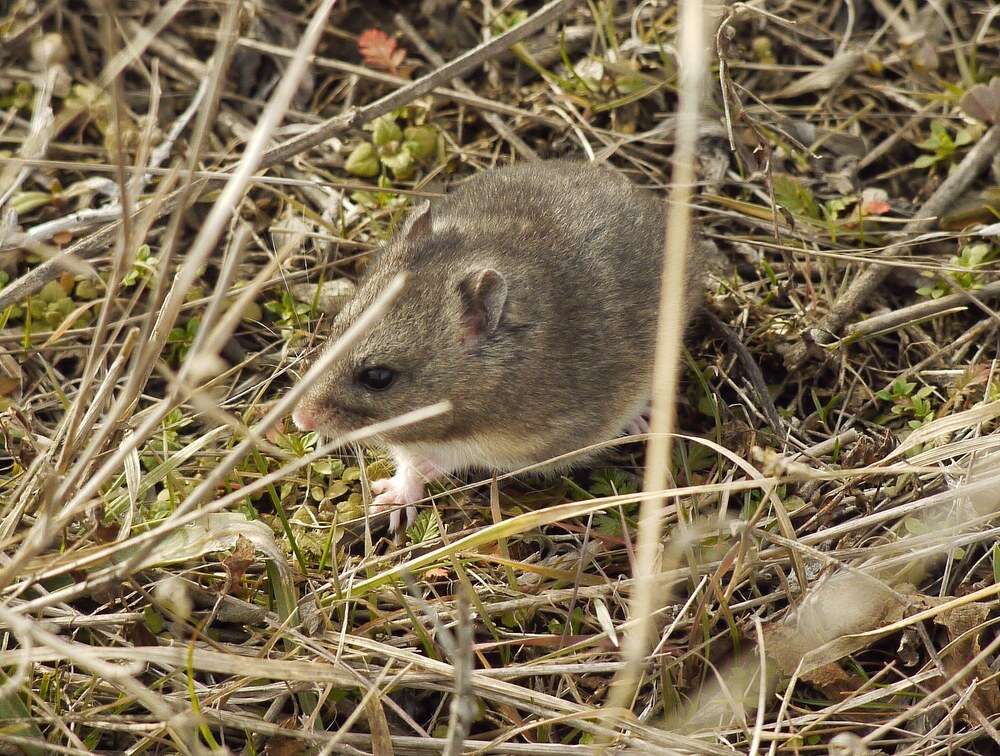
{"points": [[184, 571]]}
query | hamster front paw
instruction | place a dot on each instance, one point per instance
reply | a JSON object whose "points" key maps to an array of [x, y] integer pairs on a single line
{"points": [[638, 425], [402, 490]]}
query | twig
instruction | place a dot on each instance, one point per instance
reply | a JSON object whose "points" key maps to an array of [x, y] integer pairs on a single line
{"points": [[920, 311]]}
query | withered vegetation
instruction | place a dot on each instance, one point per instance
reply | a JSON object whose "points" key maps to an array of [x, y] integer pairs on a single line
{"points": [[186, 196]]}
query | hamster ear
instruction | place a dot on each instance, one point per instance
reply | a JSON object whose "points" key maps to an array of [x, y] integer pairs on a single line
{"points": [[483, 292], [418, 224]]}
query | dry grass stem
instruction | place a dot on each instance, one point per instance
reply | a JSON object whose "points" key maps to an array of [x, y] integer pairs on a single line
{"points": [[799, 557]]}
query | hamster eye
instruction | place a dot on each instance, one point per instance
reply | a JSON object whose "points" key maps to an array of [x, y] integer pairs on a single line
{"points": [[376, 378]]}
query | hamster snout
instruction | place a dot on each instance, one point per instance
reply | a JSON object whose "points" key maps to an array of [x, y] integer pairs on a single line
{"points": [[304, 418]]}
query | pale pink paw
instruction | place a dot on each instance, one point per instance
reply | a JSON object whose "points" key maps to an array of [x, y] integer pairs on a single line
{"points": [[395, 493]]}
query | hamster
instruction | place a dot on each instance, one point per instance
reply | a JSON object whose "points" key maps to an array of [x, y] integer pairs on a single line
{"points": [[531, 305]]}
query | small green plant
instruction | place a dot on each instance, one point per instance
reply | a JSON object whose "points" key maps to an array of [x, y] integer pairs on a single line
{"points": [[143, 267], [424, 529], [51, 305], [22, 95], [299, 444], [972, 258], [941, 146], [180, 339], [611, 481], [173, 423], [907, 400], [793, 195], [24, 202], [398, 149], [823, 409], [577, 620], [503, 22], [167, 440], [290, 314]]}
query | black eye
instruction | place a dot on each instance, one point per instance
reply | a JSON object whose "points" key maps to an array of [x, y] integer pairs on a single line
{"points": [[376, 378]]}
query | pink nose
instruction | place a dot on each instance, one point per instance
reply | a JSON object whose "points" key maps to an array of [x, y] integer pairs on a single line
{"points": [[304, 420]]}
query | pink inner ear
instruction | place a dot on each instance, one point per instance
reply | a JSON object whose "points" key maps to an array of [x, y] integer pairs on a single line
{"points": [[473, 323], [418, 224], [483, 294]]}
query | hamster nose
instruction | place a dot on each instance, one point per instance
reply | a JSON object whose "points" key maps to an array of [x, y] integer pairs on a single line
{"points": [[304, 419]]}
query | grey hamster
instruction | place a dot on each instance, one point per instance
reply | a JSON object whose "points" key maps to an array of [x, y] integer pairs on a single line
{"points": [[531, 305]]}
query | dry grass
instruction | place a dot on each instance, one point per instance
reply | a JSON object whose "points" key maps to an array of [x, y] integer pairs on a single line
{"points": [[183, 572]]}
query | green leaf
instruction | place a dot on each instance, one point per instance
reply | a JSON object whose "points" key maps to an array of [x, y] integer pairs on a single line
{"points": [[337, 489], [363, 161], [20, 720], [925, 161], [401, 164], [385, 131], [25, 202], [51, 292], [794, 196], [611, 481], [153, 620], [424, 529], [421, 141], [86, 289]]}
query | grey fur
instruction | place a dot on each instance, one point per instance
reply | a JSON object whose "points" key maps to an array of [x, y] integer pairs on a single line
{"points": [[569, 362]]}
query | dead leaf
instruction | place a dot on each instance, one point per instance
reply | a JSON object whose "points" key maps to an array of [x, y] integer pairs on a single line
{"points": [[275, 432], [875, 202], [982, 101], [379, 725], [241, 557], [833, 680], [835, 612], [964, 625], [379, 50], [331, 297], [824, 78], [284, 745], [924, 56]]}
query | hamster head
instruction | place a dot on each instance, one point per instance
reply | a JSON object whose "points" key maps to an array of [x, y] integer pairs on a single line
{"points": [[432, 345]]}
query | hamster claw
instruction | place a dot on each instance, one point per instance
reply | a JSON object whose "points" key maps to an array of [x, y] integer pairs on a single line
{"points": [[638, 426], [394, 516], [394, 494]]}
